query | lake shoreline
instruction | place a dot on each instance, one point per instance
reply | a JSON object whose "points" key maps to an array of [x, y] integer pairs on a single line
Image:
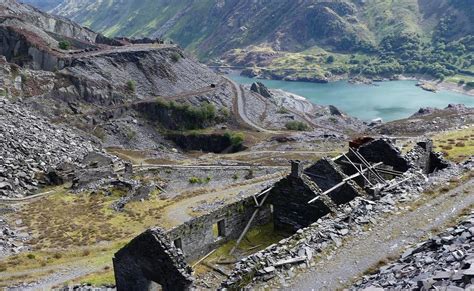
{"points": [[447, 86], [367, 100]]}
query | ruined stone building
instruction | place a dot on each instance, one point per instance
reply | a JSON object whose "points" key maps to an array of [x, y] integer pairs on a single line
{"points": [[293, 203]]}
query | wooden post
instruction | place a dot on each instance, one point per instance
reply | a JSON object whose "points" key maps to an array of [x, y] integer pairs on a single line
{"points": [[357, 169], [342, 183], [247, 227]]}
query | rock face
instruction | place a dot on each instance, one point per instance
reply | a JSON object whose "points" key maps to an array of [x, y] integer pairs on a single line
{"points": [[30, 145], [261, 89], [107, 78], [444, 261]]}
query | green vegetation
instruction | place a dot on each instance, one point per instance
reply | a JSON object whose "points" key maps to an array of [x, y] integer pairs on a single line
{"points": [[236, 138], [188, 117], [330, 59], [175, 57], [456, 145], [131, 86], [64, 45], [297, 126], [256, 239], [196, 180], [283, 110]]}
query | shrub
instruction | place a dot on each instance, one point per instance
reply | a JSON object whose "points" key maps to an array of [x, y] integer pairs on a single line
{"points": [[195, 180], [64, 45], [297, 125], [330, 59], [175, 57], [235, 138], [235, 177], [31, 256], [282, 110], [131, 86], [461, 82], [130, 134], [460, 145], [470, 84]]}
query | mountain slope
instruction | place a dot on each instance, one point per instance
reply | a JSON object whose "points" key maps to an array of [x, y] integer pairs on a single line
{"points": [[330, 38], [212, 27]]}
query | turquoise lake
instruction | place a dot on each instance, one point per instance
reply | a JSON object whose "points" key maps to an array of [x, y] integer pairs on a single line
{"points": [[389, 100]]}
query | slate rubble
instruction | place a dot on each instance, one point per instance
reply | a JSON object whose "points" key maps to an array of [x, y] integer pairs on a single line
{"points": [[30, 145], [445, 262]]}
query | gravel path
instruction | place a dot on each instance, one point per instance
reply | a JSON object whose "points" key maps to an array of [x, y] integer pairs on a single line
{"points": [[387, 239], [241, 108]]}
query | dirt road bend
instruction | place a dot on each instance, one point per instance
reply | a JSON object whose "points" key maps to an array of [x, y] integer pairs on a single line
{"points": [[241, 107]]}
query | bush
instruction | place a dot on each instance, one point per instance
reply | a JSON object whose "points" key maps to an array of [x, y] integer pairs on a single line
{"points": [[282, 110], [131, 86], [31, 256], [64, 45], [297, 125], [175, 57], [195, 180], [470, 84], [330, 59], [235, 138]]}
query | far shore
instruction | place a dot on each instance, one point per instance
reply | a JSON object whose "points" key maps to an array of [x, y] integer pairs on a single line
{"points": [[439, 85]]}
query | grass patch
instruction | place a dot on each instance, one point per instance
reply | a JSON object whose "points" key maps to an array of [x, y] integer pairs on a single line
{"points": [[63, 220], [103, 278], [258, 238], [457, 145]]}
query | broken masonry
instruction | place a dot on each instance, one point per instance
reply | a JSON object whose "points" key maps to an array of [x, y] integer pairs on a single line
{"points": [[293, 203]]}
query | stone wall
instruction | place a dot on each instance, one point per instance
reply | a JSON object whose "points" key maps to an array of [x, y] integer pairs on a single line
{"points": [[198, 236], [381, 150], [423, 157], [291, 210], [148, 258], [326, 174]]}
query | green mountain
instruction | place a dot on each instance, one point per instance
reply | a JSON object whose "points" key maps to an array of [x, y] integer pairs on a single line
{"points": [[362, 36]]}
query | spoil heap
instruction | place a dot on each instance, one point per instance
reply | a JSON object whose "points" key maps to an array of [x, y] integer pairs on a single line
{"points": [[444, 261]]}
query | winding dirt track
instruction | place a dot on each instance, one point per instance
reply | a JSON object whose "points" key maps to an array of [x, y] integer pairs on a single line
{"points": [[241, 108]]}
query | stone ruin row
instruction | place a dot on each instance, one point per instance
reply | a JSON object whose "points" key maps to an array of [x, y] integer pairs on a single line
{"points": [[314, 203]]}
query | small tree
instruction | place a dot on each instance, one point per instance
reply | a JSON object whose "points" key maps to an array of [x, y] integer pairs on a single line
{"points": [[64, 45]]}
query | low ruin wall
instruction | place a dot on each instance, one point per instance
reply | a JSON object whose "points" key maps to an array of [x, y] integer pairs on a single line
{"points": [[201, 235]]}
